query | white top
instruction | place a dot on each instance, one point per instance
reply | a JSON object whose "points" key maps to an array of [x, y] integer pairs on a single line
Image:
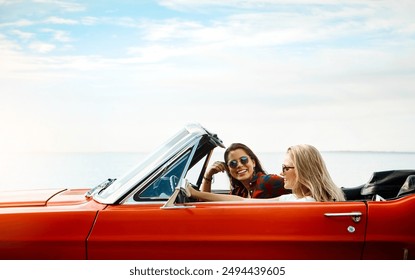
{"points": [[293, 197]]}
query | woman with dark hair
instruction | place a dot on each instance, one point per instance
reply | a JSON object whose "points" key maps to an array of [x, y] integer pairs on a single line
{"points": [[246, 176]]}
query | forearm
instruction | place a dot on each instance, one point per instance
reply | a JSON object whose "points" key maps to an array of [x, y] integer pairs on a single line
{"points": [[216, 167], [208, 196], [206, 184]]}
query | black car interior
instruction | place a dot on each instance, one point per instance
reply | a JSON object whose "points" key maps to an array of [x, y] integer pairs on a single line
{"points": [[388, 185]]}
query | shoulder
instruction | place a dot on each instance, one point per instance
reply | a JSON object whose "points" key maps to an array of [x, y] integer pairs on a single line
{"points": [[269, 177]]}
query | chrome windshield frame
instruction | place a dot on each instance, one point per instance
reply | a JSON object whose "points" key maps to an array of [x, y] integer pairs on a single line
{"points": [[190, 148], [133, 179]]}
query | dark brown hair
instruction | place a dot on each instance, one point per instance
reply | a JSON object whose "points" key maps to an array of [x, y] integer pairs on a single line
{"points": [[235, 146]]}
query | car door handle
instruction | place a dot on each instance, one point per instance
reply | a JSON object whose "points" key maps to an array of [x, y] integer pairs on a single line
{"points": [[356, 216]]}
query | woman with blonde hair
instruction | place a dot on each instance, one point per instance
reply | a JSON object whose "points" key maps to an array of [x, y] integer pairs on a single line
{"points": [[304, 172]]}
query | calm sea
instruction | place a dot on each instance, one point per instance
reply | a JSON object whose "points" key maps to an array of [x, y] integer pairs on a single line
{"points": [[85, 170]]}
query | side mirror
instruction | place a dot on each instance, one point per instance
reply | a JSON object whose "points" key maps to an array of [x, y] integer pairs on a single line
{"points": [[178, 196]]}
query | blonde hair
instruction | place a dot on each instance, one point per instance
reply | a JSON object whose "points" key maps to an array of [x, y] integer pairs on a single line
{"points": [[313, 178]]}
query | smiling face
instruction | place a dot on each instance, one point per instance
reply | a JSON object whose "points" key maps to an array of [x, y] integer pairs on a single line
{"points": [[288, 172], [242, 171]]}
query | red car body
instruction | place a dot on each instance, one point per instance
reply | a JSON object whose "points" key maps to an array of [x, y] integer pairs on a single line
{"points": [[73, 224]]}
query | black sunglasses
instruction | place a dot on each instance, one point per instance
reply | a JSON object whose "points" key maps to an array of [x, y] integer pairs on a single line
{"points": [[234, 163], [286, 168]]}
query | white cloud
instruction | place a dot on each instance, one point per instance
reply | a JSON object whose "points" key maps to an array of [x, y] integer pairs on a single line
{"points": [[41, 47], [62, 36], [58, 35], [7, 47], [23, 35], [252, 4], [256, 29], [65, 5], [57, 20], [89, 20], [18, 23], [7, 2]]}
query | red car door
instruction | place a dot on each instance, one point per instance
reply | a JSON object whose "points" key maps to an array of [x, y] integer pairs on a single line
{"points": [[391, 229], [243, 230]]}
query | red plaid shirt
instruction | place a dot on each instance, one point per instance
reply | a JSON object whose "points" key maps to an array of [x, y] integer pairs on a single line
{"points": [[263, 186]]}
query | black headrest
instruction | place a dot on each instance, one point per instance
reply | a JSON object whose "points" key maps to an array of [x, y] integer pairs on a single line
{"points": [[408, 186], [386, 183]]}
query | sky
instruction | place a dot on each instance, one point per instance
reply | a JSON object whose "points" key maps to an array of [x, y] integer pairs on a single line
{"points": [[124, 76]]}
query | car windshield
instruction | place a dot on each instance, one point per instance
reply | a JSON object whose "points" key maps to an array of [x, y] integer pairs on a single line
{"points": [[164, 185], [148, 164]]}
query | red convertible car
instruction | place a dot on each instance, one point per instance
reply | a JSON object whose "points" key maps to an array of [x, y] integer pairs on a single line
{"points": [[145, 215]]}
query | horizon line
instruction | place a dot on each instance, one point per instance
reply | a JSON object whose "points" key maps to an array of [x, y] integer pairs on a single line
{"points": [[146, 152]]}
